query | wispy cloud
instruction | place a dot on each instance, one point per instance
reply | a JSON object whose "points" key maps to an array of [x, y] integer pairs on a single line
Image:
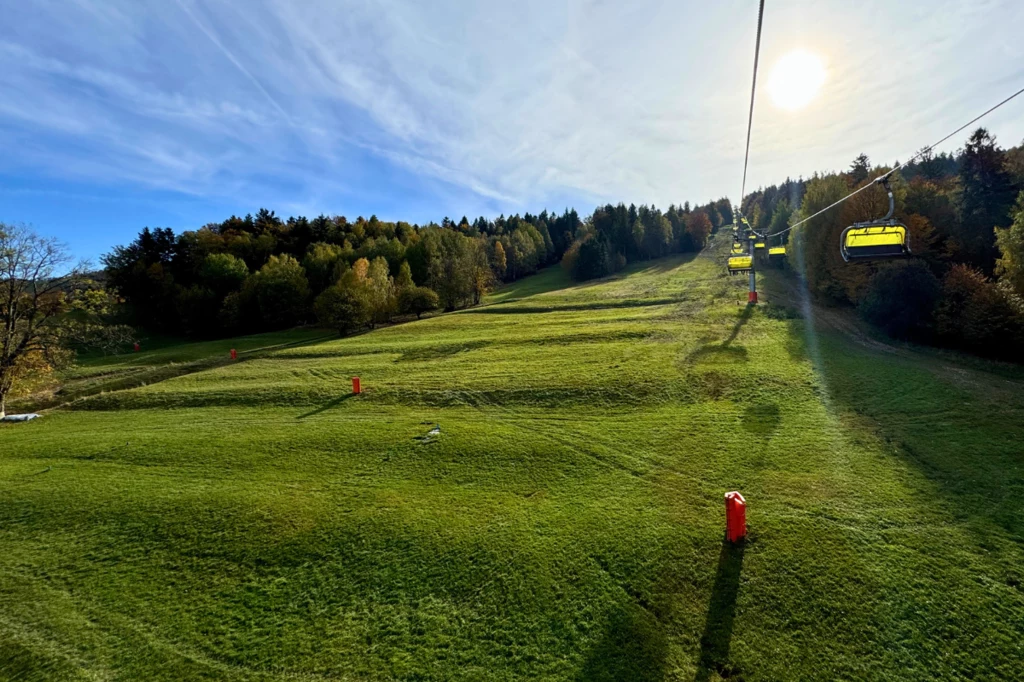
{"points": [[494, 106]]}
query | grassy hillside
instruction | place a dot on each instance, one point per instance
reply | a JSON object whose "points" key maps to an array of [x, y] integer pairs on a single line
{"points": [[252, 520]]}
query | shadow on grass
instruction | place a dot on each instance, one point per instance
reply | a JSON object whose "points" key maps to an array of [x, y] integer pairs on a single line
{"points": [[762, 419], [439, 351], [659, 266], [495, 309], [633, 648], [714, 643], [959, 428], [327, 406], [724, 351], [717, 354], [744, 316], [125, 378]]}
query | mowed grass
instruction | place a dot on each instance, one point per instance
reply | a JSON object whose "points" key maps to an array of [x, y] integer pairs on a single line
{"points": [[254, 521], [158, 360]]}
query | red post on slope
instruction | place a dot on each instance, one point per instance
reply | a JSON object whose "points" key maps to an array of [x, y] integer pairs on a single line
{"points": [[356, 388], [735, 517], [234, 354], [136, 347], [752, 297]]}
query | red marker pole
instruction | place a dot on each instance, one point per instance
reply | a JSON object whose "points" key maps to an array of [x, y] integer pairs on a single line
{"points": [[356, 388], [234, 354], [735, 517], [752, 295], [136, 347]]}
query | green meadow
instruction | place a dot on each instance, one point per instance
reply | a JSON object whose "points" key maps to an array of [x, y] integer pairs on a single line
{"points": [[181, 516]]}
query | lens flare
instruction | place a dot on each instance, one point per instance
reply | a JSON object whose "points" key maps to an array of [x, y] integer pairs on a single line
{"points": [[796, 80]]}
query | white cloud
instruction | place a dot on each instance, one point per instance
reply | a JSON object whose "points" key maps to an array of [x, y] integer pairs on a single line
{"points": [[517, 104]]}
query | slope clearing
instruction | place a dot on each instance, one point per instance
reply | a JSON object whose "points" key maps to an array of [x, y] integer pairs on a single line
{"points": [[254, 521]]}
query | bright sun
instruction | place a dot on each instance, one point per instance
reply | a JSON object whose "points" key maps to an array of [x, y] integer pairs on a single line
{"points": [[796, 80]]}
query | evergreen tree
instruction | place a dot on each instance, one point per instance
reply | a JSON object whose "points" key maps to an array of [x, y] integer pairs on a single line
{"points": [[986, 195], [860, 169]]}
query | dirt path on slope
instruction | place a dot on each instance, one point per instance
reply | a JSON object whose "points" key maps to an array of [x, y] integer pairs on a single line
{"points": [[784, 290]]}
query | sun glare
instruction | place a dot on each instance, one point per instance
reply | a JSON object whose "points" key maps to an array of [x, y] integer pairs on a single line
{"points": [[796, 80]]}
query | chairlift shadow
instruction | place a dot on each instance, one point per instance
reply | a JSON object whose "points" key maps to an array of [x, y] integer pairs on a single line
{"points": [[633, 647], [748, 310], [762, 419], [717, 636]]}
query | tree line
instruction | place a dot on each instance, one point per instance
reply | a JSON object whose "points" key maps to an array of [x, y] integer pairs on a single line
{"points": [[615, 235], [261, 273], [965, 217]]}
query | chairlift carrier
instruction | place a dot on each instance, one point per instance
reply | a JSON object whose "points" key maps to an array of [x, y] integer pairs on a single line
{"points": [[882, 238], [738, 264]]}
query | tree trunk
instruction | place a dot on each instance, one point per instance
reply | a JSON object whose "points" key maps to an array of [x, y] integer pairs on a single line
{"points": [[3, 403]]}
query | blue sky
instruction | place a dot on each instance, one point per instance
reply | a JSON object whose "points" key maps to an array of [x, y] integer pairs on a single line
{"points": [[120, 114]]}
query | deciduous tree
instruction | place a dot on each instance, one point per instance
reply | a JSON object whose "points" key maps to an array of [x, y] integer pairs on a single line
{"points": [[1010, 240], [34, 280], [281, 292]]}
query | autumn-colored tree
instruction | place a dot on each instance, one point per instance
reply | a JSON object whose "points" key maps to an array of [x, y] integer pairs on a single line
{"points": [[482, 275], [1010, 240], [381, 290], [450, 266], [975, 314], [698, 227], [815, 252], [33, 282], [500, 262], [90, 321]]}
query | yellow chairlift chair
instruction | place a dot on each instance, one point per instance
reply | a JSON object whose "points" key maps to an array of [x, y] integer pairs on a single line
{"points": [[882, 238], [740, 264]]}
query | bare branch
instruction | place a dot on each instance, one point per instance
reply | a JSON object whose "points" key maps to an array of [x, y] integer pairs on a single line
{"points": [[32, 287]]}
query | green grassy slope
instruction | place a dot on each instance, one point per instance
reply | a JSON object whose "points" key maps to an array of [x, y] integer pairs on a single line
{"points": [[157, 361], [254, 521]]}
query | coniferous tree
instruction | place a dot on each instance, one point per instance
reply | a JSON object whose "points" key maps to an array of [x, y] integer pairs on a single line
{"points": [[986, 195], [860, 169]]}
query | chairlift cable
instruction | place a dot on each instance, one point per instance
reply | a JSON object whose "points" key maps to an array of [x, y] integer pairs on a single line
{"points": [[753, 90], [885, 176]]}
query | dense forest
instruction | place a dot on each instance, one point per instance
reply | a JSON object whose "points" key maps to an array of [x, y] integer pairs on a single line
{"points": [[261, 273], [962, 288]]}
